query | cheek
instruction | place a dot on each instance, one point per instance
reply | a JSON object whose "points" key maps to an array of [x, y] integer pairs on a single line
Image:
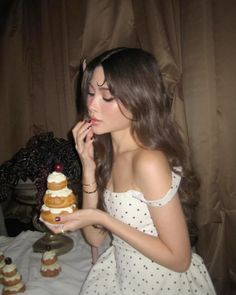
{"points": [[115, 117], [110, 109]]}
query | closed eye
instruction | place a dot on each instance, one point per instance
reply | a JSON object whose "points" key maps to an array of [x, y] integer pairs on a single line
{"points": [[108, 99]]}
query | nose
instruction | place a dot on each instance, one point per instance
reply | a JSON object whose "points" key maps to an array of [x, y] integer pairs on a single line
{"points": [[92, 104]]}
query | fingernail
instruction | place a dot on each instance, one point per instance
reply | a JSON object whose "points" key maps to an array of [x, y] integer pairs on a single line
{"points": [[57, 218]]}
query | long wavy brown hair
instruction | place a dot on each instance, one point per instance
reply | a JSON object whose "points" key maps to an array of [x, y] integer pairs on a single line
{"points": [[133, 77]]}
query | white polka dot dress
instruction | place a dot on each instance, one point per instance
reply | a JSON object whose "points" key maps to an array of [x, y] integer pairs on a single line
{"points": [[122, 270]]}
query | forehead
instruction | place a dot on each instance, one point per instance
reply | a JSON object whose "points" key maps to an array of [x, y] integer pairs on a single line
{"points": [[98, 77]]}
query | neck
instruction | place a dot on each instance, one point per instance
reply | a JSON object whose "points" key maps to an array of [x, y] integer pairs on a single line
{"points": [[123, 141]]}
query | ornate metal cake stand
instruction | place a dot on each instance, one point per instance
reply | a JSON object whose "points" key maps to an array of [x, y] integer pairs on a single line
{"points": [[60, 243]]}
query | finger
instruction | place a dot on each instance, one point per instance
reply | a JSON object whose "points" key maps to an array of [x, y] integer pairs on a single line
{"points": [[73, 216], [77, 126], [81, 130], [67, 217], [60, 229], [90, 135], [77, 129], [83, 142]]}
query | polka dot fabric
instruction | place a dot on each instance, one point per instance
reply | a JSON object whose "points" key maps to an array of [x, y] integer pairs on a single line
{"points": [[123, 270]]}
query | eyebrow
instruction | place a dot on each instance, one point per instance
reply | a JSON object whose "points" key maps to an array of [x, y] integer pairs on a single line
{"points": [[100, 86], [104, 88]]}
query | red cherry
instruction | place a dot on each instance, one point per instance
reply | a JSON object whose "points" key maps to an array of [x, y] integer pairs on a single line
{"points": [[8, 260], [58, 167]]}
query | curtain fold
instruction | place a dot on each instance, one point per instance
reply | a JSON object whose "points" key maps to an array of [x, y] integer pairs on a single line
{"points": [[158, 31], [15, 101], [209, 68]]}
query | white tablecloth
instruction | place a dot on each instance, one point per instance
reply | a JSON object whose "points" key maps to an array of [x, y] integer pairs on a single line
{"points": [[75, 264]]}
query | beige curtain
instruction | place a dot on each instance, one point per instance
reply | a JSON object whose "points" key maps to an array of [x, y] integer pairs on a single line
{"points": [[158, 31], [209, 71], [43, 43], [42, 47]]}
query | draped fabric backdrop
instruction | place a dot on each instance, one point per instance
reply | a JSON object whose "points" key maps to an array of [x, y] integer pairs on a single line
{"points": [[209, 70], [43, 44]]}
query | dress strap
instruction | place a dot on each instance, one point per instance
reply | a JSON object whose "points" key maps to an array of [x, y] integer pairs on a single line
{"points": [[176, 178]]}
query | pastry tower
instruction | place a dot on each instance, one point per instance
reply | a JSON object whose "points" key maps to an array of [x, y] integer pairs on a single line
{"points": [[58, 199], [2, 264], [49, 264], [12, 280]]}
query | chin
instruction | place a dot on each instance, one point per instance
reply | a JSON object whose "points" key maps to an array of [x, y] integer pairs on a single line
{"points": [[99, 131]]}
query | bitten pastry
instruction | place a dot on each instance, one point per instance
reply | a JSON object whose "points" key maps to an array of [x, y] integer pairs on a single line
{"points": [[2, 264], [49, 264], [58, 198], [12, 280]]}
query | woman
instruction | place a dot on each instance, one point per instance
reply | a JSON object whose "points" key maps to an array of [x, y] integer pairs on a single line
{"points": [[133, 159]]}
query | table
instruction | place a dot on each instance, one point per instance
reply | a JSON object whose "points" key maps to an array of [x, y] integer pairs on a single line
{"points": [[75, 264]]}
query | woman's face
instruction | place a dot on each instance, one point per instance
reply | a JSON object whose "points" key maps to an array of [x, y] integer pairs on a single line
{"points": [[107, 114]]}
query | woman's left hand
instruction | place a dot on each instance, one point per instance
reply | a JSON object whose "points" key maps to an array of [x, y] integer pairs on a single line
{"points": [[76, 220]]}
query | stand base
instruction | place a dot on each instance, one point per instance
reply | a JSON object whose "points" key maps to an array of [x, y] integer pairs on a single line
{"points": [[60, 243]]}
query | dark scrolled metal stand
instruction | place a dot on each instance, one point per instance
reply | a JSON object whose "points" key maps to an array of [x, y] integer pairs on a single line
{"points": [[60, 243]]}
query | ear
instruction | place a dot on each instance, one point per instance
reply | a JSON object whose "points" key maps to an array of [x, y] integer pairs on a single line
{"points": [[84, 64]]}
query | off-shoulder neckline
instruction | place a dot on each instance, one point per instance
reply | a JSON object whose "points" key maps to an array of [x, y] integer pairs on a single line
{"points": [[179, 168], [124, 192]]}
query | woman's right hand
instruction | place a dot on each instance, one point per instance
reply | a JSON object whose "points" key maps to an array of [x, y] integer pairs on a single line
{"points": [[83, 136]]}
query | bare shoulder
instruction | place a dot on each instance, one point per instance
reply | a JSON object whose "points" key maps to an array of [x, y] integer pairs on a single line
{"points": [[152, 162], [152, 173]]}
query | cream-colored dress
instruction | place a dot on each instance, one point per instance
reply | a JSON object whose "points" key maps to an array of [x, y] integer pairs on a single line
{"points": [[122, 270]]}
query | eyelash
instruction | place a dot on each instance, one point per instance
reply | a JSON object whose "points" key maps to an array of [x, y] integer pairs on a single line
{"points": [[105, 99], [108, 99]]}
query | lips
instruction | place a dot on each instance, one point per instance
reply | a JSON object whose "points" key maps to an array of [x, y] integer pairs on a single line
{"points": [[95, 121]]}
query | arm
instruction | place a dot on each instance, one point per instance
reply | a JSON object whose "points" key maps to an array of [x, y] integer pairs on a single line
{"points": [[171, 248], [83, 136], [172, 252], [93, 235]]}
